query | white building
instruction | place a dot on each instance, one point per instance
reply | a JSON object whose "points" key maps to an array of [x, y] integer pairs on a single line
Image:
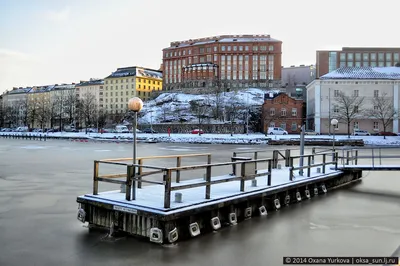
{"points": [[367, 82]]}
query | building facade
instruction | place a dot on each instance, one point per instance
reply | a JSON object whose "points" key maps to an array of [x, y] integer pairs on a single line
{"points": [[93, 88], [323, 98], [226, 62], [126, 83], [15, 107], [328, 61], [281, 110], [296, 78]]}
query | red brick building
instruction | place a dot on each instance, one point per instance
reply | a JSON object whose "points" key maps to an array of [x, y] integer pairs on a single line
{"points": [[228, 61], [328, 61], [281, 110]]}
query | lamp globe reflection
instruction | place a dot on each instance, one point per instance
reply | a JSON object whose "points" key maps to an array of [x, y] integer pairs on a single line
{"points": [[135, 104]]}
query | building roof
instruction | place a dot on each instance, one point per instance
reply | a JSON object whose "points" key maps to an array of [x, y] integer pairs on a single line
{"points": [[64, 87], [364, 73], [91, 82], [19, 90], [136, 71], [223, 39]]}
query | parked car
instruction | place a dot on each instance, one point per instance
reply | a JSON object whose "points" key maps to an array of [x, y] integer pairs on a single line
{"points": [[310, 132], [358, 132], [382, 133], [276, 131], [197, 131], [149, 130]]}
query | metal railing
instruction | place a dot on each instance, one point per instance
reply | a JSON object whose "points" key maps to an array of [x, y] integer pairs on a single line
{"points": [[353, 155], [311, 163]]}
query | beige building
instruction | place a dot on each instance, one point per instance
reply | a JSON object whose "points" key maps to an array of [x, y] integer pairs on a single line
{"points": [[93, 87], [129, 82], [364, 82], [14, 107]]}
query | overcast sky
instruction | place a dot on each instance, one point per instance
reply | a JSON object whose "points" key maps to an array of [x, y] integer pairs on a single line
{"points": [[45, 42]]}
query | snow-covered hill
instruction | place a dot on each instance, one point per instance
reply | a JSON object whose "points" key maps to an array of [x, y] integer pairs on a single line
{"points": [[213, 108]]}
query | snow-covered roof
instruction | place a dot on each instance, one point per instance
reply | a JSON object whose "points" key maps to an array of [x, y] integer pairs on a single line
{"points": [[91, 82], [224, 39], [364, 73], [19, 90], [136, 71]]}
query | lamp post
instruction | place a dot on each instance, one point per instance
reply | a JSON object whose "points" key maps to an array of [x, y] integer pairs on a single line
{"points": [[334, 123], [302, 128], [135, 104]]}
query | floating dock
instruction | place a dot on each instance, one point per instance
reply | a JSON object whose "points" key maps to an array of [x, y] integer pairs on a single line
{"points": [[168, 204]]}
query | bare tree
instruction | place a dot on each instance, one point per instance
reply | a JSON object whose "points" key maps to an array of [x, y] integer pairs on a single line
{"points": [[199, 109], [218, 102], [88, 108], [383, 110], [165, 109], [233, 109], [32, 112], [22, 106], [70, 105], [349, 109], [8, 115], [43, 110]]}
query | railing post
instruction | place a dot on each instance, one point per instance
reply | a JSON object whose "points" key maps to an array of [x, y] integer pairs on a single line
{"points": [[287, 156], [234, 165], [178, 172], [380, 157], [255, 158], [128, 184], [95, 175], [269, 172], [140, 171], [373, 158], [167, 188], [242, 176], [336, 159], [309, 165], [208, 180], [275, 159], [347, 157], [291, 162], [356, 160], [323, 162], [313, 150], [291, 173]]}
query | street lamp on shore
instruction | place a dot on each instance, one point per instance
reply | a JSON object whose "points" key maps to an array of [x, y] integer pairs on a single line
{"points": [[135, 104], [334, 123]]}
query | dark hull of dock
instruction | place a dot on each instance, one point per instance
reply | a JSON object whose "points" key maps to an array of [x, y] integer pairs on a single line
{"points": [[317, 142], [175, 225]]}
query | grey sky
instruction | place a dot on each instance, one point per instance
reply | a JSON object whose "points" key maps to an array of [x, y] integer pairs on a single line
{"points": [[47, 42]]}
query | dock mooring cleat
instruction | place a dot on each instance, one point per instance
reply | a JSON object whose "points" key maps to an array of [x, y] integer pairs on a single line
{"points": [[173, 235], [156, 235], [81, 215], [307, 193], [323, 188], [287, 200], [263, 211], [298, 196], [248, 212], [194, 229], [277, 204], [232, 218], [315, 191], [215, 223]]}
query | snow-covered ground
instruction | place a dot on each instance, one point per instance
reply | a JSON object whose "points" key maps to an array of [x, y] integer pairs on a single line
{"points": [[255, 138]]}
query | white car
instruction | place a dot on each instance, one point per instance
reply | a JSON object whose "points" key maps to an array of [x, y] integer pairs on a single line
{"points": [[358, 132], [276, 131]]}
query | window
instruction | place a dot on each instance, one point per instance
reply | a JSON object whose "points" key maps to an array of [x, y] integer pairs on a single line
{"points": [[350, 64], [283, 112], [271, 47], [294, 126], [222, 48], [358, 56], [358, 64], [283, 126], [272, 124], [332, 61], [255, 48], [388, 56], [342, 57], [376, 93], [336, 109], [380, 56], [229, 48], [336, 93], [396, 57], [272, 111], [355, 93], [355, 125], [376, 126], [350, 56], [246, 48], [240, 48], [373, 56], [215, 48], [294, 111]]}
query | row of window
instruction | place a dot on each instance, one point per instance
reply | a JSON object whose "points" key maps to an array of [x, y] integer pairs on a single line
{"points": [[133, 86], [133, 80], [283, 111], [283, 126], [355, 93], [369, 56], [223, 48]]}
